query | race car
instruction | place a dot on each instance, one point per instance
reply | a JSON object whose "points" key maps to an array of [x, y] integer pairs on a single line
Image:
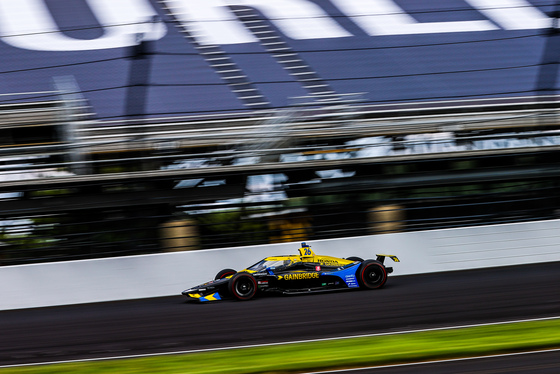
{"points": [[294, 274]]}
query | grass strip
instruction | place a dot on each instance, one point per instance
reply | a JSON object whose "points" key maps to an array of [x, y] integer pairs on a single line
{"points": [[345, 353]]}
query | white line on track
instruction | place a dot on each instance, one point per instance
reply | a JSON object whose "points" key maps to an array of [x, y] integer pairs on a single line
{"points": [[434, 361], [281, 343]]}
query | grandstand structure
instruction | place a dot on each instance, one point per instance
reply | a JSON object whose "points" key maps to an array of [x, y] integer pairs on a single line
{"points": [[317, 150]]}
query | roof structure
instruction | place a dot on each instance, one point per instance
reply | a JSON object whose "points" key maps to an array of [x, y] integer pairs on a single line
{"points": [[226, 56]]}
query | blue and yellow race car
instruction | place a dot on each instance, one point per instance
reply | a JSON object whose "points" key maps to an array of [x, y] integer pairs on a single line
{"points": [[294, 274]]}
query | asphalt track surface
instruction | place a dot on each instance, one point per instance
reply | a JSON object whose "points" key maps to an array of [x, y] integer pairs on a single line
{"points": [[170, 324]]}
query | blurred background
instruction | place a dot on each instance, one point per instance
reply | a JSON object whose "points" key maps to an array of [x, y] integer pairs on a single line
{"points": [[141, 126]]}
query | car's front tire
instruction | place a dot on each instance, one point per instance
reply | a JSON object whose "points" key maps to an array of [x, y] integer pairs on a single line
{"points": [[224, 273], [371, 274], [242, 286]]}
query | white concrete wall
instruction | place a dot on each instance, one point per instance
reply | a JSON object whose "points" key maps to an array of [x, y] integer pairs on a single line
{"points": [[133, 277]]}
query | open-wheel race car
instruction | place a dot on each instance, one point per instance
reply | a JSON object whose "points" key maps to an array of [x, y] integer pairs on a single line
{"points": [[295, 274]]}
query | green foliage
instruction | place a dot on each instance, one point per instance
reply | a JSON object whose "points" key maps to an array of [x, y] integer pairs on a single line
{"points": [[343, 353]]}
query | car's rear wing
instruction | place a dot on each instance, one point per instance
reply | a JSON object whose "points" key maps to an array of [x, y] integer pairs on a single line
{"points": [[381, 258]]}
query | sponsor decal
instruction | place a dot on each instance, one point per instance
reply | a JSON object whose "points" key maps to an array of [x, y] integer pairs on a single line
{"points": [[350, 280], [328, 262], [263, 284], [317, 268], [300, 276]]}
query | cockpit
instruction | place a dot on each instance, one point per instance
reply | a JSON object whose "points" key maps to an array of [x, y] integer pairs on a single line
{"points": [[272, 264]]}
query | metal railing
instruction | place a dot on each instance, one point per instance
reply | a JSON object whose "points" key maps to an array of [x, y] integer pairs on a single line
{"points": [[46, 214]]}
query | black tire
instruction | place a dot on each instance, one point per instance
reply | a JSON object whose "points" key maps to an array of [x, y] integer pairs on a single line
{"points": [[355, 259], [242, 286], [371, 274], [225, 273]]}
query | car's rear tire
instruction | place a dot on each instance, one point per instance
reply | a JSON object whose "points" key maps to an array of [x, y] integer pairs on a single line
{"points": [[242, 286], [225, 273], [355, 259], [371, 274]]}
